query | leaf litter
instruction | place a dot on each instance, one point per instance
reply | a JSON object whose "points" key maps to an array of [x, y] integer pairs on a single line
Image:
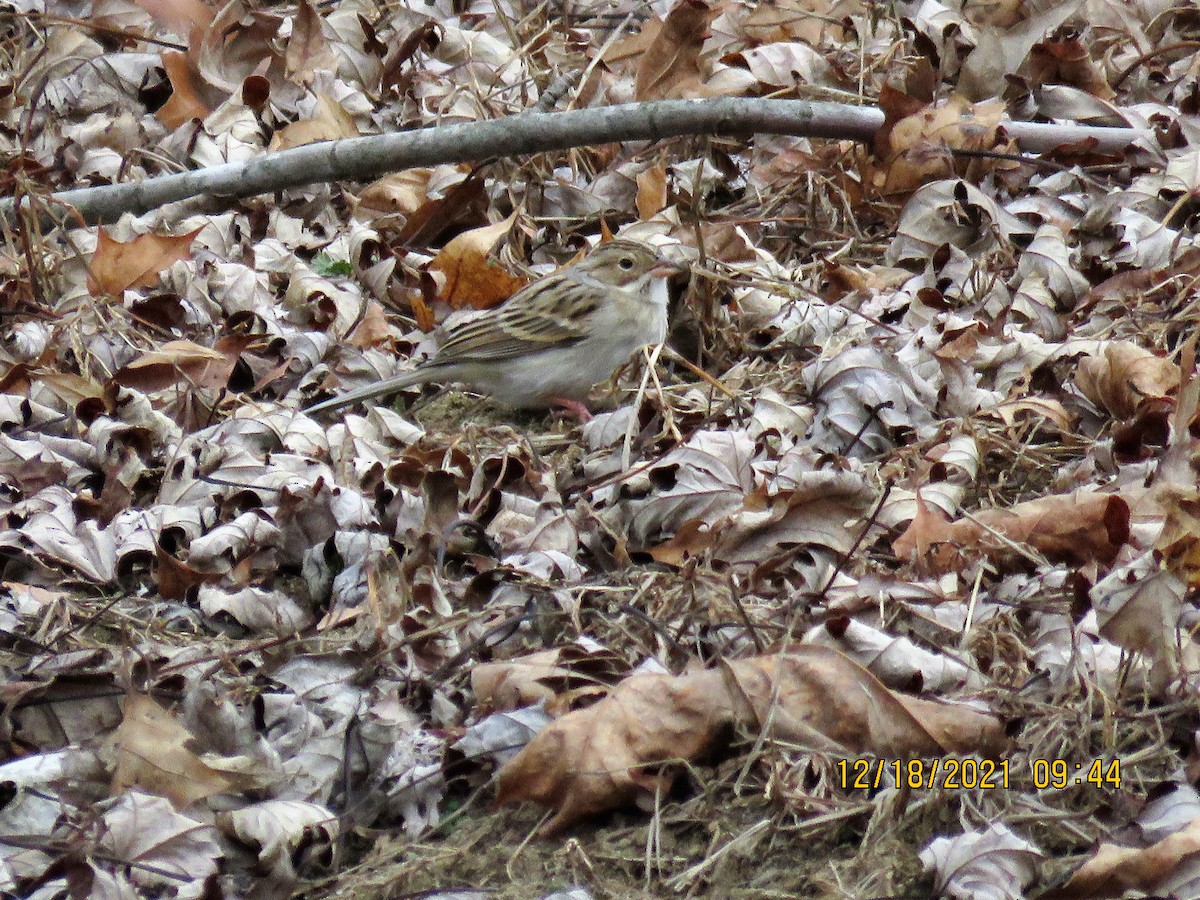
{"points": [[941, 511]]}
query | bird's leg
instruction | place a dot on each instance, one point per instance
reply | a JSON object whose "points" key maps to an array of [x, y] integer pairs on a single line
{"points": [[574, 407]]}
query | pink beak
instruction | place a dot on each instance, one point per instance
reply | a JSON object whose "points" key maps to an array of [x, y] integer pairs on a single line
{"points": [[667, 267]]}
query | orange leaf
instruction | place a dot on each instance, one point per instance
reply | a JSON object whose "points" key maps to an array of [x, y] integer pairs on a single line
{"points": [[184, 104], [471, 279], [651, 191], [117, 266]]}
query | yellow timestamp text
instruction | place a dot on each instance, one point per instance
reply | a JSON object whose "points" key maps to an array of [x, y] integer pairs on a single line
{"points": [[969, 773], [1058, 773]]}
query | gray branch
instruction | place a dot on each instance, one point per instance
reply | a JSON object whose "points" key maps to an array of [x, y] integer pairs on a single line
{"points": [[367, 158]]}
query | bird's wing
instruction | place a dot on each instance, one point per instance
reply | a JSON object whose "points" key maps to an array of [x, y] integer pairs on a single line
{"points": [[552, 312]]}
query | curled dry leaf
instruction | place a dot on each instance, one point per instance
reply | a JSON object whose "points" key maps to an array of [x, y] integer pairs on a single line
{"points": [[1124, 378], [1000, 51], [993, 864], [559, 677], [651, 191], [824, 509], [187, 91], [915, 141], [161, 849], [184, 17], [895, 660], [1078, 528], [240, 42], [1062, 60], [307, 49], [1114, 870], [613, 753], [372, 329], [784, 65], [812, 21], [277, 827], [952, 212], [1138, 607], [402, 192], [183, 362], [259, 610]]}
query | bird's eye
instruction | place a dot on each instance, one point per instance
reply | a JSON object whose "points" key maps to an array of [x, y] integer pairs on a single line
{"points": [[626, 263]]}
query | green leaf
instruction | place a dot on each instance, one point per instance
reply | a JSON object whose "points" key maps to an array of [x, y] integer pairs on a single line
{"points": [[326, 265]]}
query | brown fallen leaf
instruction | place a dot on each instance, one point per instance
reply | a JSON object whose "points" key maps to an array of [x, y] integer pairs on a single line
{"points": [[561, 677], [913, 144], [174, 578], [117, 266], [1114, 870], [1077, 528], [152, 754], [402, 192], [1125, 378], [372, 329], [181, 16], [1138, 607], [670, 67], [621, 750], [651, 191], [1060, 60], [184, 361], [1045, 408], [187, 91], [307, 48], [330, 122], [471, 279], [815, 22]]}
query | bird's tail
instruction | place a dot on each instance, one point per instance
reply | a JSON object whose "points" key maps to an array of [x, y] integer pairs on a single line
{"points": [[371, 391]]}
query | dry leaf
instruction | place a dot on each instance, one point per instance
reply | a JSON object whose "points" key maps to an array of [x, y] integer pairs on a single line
{"points": [[914, 142], [307, 48], [670, 66], [1113, 871], [402, 192], [182, 361], [152, 754], [612, 753], [652, 191], [1126, 377], [181, 16], [186, 101], [471, 280], [330, 122], [115, 266], [1078, 528]]}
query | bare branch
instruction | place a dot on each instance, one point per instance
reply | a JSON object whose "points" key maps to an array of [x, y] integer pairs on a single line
{"points": [[366, 158]]}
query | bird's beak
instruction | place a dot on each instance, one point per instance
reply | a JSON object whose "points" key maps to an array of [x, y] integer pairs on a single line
{"points": [[669, 267]]}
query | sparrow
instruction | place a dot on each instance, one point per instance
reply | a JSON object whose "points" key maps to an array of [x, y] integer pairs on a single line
{"points": [[554, 339]]}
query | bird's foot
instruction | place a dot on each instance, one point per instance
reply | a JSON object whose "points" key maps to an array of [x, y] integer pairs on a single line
{"points": [[574, 407]]}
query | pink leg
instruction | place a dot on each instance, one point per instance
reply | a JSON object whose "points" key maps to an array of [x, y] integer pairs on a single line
{"points": [[574, 407]]}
